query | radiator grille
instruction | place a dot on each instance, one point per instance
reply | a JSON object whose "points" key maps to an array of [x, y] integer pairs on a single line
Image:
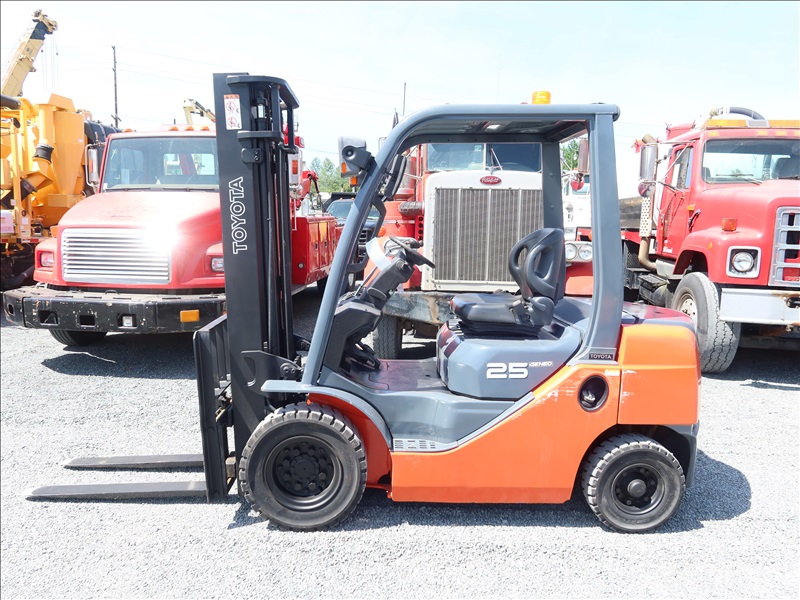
{"points": [[113, 256], [476, 228], [786, 252]]}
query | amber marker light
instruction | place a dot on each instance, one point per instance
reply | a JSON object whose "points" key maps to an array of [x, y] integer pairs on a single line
{"points": [[729, 224], [190, 316]]}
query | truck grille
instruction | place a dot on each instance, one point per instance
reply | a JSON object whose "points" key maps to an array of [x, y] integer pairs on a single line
{"points": [[476, 228], [113, 256], [786, 251]]}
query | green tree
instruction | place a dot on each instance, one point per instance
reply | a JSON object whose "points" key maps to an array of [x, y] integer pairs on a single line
{"points": [[569, 155], [329, 178]]}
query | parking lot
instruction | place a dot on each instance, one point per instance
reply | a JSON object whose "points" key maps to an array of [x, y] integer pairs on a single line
{"points": [[736, 535]]}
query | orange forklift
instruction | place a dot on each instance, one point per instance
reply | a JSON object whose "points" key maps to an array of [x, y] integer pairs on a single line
{"points": [[531, 395]]}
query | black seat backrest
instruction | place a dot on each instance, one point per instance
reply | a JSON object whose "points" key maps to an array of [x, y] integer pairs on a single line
{"points": [[537, 264]]}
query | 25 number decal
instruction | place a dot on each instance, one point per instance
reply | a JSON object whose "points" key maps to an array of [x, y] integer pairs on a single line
{"points": [[512, 370]]}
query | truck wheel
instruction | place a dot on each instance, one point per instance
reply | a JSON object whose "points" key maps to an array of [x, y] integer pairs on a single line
{"points": [[304, 467], [717, 340], [77, 338], [387, 339], [632, 483]]}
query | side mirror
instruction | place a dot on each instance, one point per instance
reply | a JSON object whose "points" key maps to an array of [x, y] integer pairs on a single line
{"points": [[647, 160], [354, 158], [93, 165], [396, 173], [583, 155]]}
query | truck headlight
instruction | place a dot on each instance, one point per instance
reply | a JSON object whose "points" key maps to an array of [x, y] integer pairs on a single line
{"points": [[743, 262], [585, 252], [218, 264], [570, 251], [46, 259]]}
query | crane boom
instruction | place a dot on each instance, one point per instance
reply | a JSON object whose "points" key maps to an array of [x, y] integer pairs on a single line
{"points": [[193, 107], [21, 62]]}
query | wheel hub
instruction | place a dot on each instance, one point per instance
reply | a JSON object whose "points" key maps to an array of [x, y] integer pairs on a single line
{"points": [[688, 307], [303, 468], [637, 489]]}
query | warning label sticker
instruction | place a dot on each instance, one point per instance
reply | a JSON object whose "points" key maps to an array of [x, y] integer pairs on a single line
{"points": [[233, 112]]}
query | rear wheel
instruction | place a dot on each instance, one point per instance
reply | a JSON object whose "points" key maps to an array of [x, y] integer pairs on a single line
{"points": [[77, 338], [304, 467], [387, 339], [717, 340], [632, 483]]}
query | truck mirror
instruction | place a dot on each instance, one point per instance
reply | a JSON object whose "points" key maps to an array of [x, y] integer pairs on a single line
{"points": [[647, 162], [583, 155], [93, 166], [396, 173], [353, 156]]}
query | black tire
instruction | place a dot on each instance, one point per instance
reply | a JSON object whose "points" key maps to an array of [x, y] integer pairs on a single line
{"points": [[321, 283], [77, 338], [387, 339], [717, 340], [325, 478], [632, 483]]}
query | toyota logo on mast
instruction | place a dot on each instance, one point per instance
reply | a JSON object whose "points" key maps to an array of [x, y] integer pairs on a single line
{"points": [[490, 180]]}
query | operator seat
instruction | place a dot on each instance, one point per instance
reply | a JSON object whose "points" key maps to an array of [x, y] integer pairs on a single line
{"points": [[538, 267], [503, 345]]}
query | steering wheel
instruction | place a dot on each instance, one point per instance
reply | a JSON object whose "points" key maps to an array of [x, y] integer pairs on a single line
{"points": [[412, 255]]}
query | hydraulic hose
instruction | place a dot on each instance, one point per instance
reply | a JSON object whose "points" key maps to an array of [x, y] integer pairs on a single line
{"points": [[736, 110]]}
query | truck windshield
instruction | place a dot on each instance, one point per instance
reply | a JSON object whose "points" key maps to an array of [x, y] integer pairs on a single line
{"points": [[161, 163], [728, 161], [478, 157]]}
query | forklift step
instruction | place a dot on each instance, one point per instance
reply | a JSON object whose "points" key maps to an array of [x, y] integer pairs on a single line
{"points": [[120, 491], [165, 461]]}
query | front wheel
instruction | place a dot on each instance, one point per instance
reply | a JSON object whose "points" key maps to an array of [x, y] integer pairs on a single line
{"points": [[632, 483], [304, 467], [77, 338], [717, 340]]}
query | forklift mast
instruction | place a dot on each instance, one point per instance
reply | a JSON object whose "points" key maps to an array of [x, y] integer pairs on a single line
{"points": [[254, 342]]}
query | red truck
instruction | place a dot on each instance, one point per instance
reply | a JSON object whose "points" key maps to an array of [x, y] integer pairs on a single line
{"points": [[144, 254], [717, 234]]}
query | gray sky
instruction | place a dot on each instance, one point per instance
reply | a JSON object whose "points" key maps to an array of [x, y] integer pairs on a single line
{"points": [[350, 62]]}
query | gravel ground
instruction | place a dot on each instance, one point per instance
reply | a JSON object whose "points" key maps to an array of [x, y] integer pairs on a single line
{"points": [[736, 535]]}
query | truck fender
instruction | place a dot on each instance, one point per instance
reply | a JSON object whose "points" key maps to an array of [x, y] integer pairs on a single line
{"points": [[698, 246]]}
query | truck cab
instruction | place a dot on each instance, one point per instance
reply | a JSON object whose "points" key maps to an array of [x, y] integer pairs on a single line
{"points": [[722, 239], [144, 254]]}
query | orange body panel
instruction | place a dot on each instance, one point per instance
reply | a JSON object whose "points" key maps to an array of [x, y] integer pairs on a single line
{"points": [[660, 377], [378, 459], [532, 456]]}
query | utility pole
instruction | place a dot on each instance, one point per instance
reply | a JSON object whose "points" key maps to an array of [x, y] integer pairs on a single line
{"points": [[404, 98], [116, 108]]}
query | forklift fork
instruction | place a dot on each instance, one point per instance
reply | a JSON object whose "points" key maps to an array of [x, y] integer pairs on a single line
{"points": [[217, 463]]}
